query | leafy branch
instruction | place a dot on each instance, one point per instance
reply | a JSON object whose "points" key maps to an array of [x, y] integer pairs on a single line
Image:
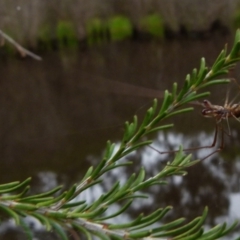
{"points": [[64, 213]]}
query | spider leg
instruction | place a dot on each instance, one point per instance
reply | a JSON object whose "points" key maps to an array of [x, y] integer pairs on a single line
{"points": [[193, 148]]}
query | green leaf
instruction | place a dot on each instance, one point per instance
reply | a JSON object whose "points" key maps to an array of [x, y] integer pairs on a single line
{"points": [[192, 226], [59, 230], [24, 206], [56, 214], [44, 220], [152, 218], [15, 186], [27, 230], [82, 230], [140, 177], [17, 196], [231, 63], [109, 150], [141, 234], [133, 126], [166, 101], [218, 65], [112, 192], [194, 236], [185, 88], [72, 204], [214, 82], [80, 209], [235, 50], [156, 129], [88, 174], [115, 237], [135, 147], [123, 209], [202, 72], [126, 135], [194, 97], [228, 230], [41, 195], [70, 193], [126, 225], [52, 201], [37, 200], [174, 91], [167, 226], [112, 166], [90, 185], [89, 215], [99, 167], [11, 213], [147, 118], [215, 232], [180, 112], [8, 185], [193, 76], [101, 235], [220, 60], [217, 74]]}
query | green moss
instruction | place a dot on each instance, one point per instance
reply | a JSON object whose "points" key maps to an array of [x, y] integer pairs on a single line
{"points": [[97, 31], [120, 27], [66, 34], [153, 24]]}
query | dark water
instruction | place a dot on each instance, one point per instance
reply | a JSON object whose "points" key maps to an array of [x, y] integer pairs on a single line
{"points": [[56, 116]]}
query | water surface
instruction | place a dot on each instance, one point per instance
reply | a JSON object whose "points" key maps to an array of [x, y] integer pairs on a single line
{"points": [[56, 116]]}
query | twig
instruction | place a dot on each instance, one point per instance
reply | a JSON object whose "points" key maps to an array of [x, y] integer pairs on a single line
{"points": [[23, 51]]}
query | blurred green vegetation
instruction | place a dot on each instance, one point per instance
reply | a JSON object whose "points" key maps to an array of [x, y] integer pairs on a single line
{"points": [[66, 34], [115, 28], [153, 25], [97, 31], [63, 34], [120, 28]]}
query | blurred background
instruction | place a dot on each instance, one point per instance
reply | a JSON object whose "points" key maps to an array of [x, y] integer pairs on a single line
{"points": [[102, 63]]}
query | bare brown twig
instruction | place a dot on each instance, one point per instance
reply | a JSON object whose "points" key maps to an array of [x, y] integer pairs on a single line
{"points": [[23, 51]]}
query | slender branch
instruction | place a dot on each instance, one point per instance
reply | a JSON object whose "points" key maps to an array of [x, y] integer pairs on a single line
{"points": [[23, 51]]}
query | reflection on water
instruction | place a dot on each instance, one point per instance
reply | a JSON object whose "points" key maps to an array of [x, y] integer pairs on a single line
{"points": [[214, 183], [57, 115]]}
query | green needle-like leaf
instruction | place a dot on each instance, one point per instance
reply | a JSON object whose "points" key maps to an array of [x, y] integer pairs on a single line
{"points": [[126, 225], [82, 230], [44, 220], [157, 129], [123, 209], [41, 195], [166, 102], [8, 185], [214, 82], [27, 229], [152, 218], [168, 226], [72, 204], [16, 186], [10, 213], [70, 193], [59, 230]]}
